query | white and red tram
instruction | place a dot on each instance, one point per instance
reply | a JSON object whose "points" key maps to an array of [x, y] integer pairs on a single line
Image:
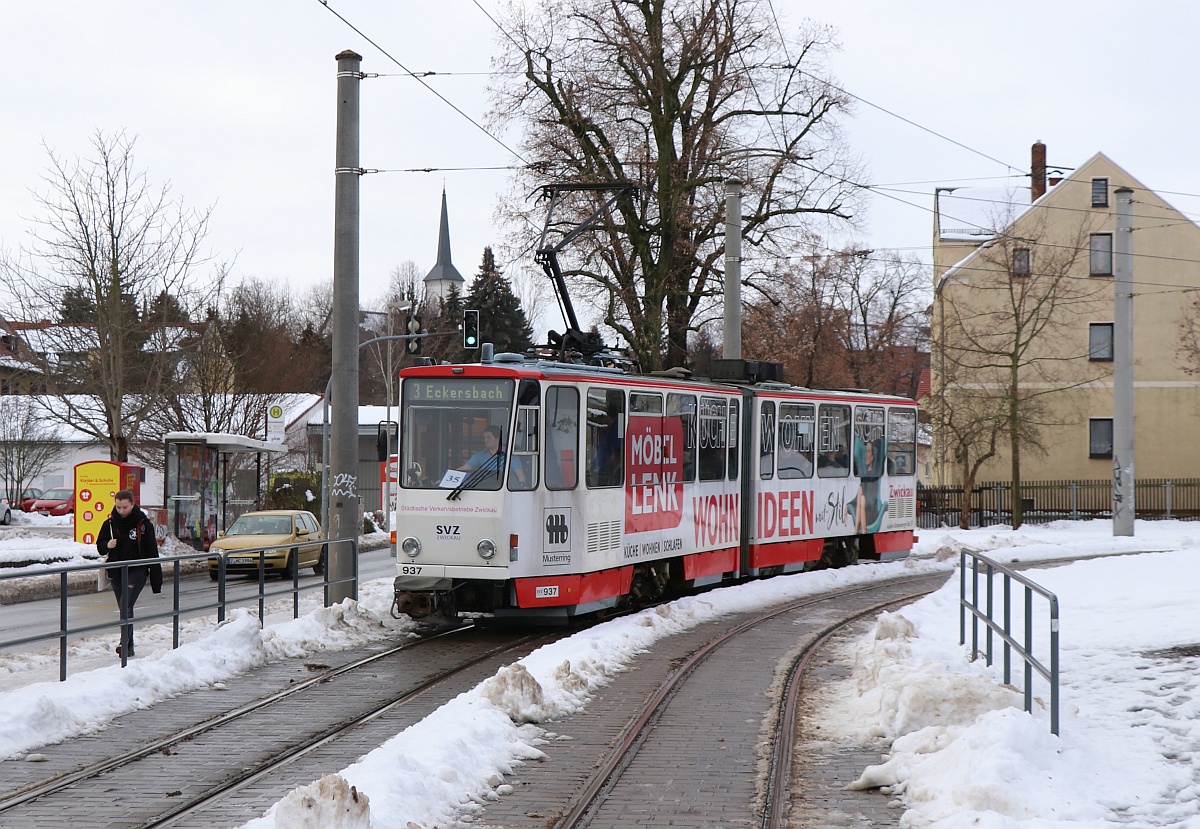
{"points": [[598, 487]]}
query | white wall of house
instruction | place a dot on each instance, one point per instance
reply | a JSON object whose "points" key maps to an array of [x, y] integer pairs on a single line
{"points": [[62, 473]]}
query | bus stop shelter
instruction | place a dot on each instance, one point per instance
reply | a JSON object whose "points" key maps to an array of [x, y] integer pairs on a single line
{"points": [[211, 479]]}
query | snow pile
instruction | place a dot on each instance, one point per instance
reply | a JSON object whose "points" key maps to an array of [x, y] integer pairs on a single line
{"points": [[329, 803], [47, 712], [964, 752]]}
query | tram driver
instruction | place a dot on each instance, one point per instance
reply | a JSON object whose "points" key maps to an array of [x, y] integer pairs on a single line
{"points": [[491, 456]]}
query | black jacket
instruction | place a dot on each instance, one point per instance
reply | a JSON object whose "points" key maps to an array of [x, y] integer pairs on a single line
{"points": [[135, 541]]}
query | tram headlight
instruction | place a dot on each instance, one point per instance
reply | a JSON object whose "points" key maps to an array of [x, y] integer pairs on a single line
{"points": [[486, 548], [411, 546]]}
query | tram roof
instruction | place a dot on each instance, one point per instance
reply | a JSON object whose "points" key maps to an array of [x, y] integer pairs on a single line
{"points": [[515, 365]]}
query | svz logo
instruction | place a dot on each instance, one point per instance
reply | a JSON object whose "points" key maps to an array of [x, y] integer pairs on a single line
{"points": [[448, 531], [556, 528]]}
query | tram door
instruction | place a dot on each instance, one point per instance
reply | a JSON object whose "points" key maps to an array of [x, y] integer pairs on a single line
{"points": [[559, 519]]}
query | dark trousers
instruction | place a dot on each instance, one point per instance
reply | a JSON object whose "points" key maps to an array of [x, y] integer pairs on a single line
{"points": [[127, 597]]}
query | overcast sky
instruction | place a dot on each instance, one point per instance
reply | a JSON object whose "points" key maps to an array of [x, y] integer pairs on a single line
{"points": [[233, 103]]}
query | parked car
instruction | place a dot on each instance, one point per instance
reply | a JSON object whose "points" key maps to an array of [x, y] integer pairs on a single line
{"points": [[268, 528], [25, 500], [5, 512], [55, 502]]}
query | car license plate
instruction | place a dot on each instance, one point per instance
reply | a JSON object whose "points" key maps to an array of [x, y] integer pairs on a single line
{"points": [[243, 560]]}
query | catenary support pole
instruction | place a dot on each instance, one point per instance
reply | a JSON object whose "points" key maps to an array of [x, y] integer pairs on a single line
{"points": [[732, 345], [343, 488], [1123, 480]]}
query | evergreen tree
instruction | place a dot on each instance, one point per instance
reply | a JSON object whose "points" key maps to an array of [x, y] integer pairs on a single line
{"points": [[502, 321], [443, 318]]}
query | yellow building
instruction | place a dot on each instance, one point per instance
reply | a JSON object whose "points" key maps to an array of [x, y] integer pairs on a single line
{"points": [[1022, 325]]}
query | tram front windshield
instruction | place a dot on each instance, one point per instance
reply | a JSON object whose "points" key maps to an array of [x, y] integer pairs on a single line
{"points": [[455, 432]]}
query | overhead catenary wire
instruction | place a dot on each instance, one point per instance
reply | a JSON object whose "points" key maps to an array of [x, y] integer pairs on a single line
{"points": [[883, 189], [420, 80]]}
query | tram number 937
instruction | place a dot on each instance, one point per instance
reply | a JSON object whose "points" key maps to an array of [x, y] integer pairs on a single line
{"points": [[410, 570]]}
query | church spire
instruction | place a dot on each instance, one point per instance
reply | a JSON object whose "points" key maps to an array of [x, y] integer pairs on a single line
{"points": [[444, 274]]}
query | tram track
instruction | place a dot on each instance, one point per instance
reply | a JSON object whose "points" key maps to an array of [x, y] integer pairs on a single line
{"points": [[772, 799], [48, 790]]}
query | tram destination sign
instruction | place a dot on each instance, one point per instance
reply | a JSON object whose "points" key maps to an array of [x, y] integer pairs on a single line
{"points": [[458, 390]]}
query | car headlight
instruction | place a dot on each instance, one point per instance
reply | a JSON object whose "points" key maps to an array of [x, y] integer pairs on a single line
{"points": [[486, 548], [411, 546]]}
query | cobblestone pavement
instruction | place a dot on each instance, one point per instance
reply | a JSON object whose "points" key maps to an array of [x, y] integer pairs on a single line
{"points": [[134, 794], [703, 764]]}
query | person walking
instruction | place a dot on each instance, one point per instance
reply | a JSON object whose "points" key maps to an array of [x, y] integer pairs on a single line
{"points": [[128, 535]]}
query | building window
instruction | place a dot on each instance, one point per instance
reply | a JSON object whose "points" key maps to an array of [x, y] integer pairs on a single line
{"points": [[1099, 192], [1100, 437], [1021, 262], [1100, 342], [1100, 255]]}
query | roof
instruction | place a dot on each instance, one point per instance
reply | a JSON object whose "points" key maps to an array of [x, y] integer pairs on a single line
{"points": [[976, 214], [225, 442], [444, 270], [1082, 173]]}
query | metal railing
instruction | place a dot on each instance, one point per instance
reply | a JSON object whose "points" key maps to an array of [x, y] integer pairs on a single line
{"points": [[172, 576], [1004, 629], [1045, 501]]}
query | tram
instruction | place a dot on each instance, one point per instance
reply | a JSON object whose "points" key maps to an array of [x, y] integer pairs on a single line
{"points": [[542, 490]]}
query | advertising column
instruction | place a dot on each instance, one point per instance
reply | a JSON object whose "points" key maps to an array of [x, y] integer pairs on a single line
{"points": [[96, 482]]}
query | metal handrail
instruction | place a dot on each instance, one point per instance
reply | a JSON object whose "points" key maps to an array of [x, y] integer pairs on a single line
{"points": [[174, 563], [1004, 631]]}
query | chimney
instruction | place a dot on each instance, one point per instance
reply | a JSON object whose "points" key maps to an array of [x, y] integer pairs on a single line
{"points": [[1037, 172]]}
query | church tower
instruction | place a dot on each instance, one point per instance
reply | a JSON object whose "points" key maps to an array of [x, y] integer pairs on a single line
{"points": [[444, 275]]}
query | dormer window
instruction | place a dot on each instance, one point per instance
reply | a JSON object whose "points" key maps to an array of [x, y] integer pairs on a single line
{"points": [[1099, 192]]}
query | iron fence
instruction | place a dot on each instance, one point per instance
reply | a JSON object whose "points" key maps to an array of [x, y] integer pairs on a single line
{"points": [[1045, 501], [969, 601], [173, 576]]}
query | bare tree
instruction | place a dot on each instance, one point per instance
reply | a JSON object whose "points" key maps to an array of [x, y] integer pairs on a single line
{"points": [[673, 97], [1003, 345], [109, 249], [849, 318], [29, 445]]}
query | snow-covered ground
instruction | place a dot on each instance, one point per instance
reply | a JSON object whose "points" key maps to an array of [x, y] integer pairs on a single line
{"points": [[964, 753]]}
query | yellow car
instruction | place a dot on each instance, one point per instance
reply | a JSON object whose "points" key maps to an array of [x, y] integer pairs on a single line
{"points": [[241, 543]]}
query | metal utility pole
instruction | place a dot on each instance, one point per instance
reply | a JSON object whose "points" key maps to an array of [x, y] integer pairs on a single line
{"points": [[343, 439], [1123, 480], [732, 346]]}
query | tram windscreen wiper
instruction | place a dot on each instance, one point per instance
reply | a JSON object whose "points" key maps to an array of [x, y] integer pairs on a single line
{"points": [[489, 467]]}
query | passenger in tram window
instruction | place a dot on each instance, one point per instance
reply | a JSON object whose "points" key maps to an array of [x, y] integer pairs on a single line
{"points": [[866, 509], [609, 467]]}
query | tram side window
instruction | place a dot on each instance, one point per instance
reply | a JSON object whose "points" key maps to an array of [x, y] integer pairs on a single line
{"points": [[766, 440], [713, 414], [833, 441], [731, 438], [605, 438], [797, 424], [562, 437], [870, 445], [902, 442], [683, 407]]}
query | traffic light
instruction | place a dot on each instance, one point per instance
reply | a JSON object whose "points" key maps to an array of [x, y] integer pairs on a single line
{"points": [[470, 329], [413, 326]]}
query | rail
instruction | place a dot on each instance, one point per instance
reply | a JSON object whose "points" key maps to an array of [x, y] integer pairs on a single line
{"points": [[1004, 630], [173, 575]]}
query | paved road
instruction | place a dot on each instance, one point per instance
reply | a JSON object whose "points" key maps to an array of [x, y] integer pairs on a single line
{"points": [[29, 618]]}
